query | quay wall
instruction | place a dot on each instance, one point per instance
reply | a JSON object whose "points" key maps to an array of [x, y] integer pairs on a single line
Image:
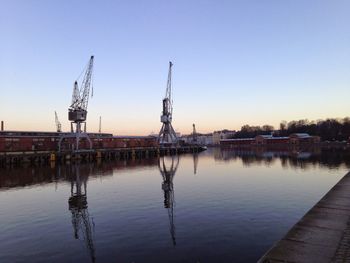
{"points": [[47, 157], [322, 235]]}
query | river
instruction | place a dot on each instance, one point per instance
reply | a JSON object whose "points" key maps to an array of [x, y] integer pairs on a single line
{"points": [[215, 206]]}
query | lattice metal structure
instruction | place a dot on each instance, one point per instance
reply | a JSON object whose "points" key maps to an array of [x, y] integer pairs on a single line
{"points": [[167, 135], [77, 111], [58, 123]]}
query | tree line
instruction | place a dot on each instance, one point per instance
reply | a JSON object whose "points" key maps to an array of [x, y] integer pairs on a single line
{"points": [[328, 130]]}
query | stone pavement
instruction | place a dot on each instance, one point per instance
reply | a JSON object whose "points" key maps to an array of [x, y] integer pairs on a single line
{"points": [[322, 235]]}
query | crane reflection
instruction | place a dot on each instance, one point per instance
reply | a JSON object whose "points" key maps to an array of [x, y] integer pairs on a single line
{"points": [[168, 170], [195, 162], [82, 223]]}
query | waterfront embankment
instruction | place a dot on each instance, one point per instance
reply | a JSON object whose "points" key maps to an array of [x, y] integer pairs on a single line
{"points": [[322, 234]]}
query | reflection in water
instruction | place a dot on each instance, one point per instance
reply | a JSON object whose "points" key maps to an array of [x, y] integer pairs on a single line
{"points": [[168, 174], [11, 177], [78, 206], [195, 162], [292, 158], [235, 218]]}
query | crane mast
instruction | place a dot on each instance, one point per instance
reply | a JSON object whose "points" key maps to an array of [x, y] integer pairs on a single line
{"points": [[167, 134], [167, 102]]}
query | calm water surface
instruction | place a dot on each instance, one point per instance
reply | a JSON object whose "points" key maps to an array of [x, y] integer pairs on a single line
{"points": [[216, 206]]}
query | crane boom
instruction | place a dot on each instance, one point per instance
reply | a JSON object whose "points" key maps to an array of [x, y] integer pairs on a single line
{"points": [[80, 96], [167, 97], [58, 123]]}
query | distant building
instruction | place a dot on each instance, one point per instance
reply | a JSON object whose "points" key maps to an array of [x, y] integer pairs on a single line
{"points": [[303, 138], [217, 138], [202, 139], [220, 135], [237, 142], [205, 139], [293, 139], [269, 139]]}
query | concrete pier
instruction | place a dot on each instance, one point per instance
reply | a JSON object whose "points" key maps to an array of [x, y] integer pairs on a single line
{"points": [[322, 235], [46, 157]]}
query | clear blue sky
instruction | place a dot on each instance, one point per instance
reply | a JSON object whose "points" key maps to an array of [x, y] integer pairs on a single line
{"points": [[235, 62]]}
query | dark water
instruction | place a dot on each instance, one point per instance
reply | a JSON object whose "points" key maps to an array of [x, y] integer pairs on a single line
{"points": [[217, 206]]}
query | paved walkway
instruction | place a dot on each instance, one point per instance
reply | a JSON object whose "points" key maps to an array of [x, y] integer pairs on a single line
{"points": [[322, 235]]}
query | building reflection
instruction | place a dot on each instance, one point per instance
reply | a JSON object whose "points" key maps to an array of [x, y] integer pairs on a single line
{"points": [[26, 175], [167, 168], [82, 222], [77, 175], [294, 158]]}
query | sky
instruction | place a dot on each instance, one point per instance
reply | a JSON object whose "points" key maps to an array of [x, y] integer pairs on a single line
{"points": [[236, 62]]}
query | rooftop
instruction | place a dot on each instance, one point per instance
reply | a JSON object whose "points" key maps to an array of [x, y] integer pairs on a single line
{"points": [[301, 135]]}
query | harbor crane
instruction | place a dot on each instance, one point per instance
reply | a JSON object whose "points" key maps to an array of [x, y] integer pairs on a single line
{"points": [[77, 111], [167, 135], [58, 123], [168, 174]]}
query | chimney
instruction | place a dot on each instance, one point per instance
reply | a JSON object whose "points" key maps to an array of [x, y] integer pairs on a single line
{"points": [[2, 125]]}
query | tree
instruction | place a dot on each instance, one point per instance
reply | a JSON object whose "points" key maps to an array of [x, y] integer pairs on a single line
{"points": [[329, 129]]}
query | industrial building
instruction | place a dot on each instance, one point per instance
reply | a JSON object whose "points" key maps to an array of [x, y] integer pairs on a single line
{"points": [[293, 139]]}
